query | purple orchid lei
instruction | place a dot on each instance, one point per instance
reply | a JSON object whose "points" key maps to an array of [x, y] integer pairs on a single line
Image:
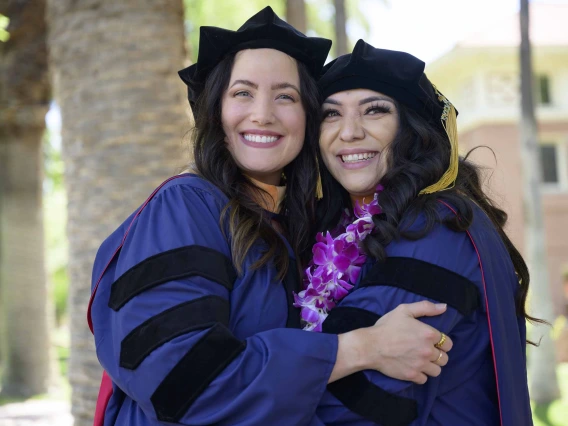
{"points": [[336, 264]]}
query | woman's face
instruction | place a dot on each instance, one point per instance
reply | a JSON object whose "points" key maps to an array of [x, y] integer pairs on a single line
{"points": [[262, 113], [357, 129]]}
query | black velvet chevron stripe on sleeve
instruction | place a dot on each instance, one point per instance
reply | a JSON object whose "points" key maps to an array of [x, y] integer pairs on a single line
{"points": [[356, 392], [368, 400], [171, 265], [180, 319], [346, 318], [425, 279], [194, 372]]}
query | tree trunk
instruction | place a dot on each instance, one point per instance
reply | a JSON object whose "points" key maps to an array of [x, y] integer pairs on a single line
{"points": [[124, 117], [26, 318], [542, 363], [296, 14], [340, 28]]}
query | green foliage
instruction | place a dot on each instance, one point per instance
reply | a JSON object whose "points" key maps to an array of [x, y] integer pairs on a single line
{"points": [[226, 14], [60, 282], [357, 17], [4, 34], [53, 163], [63, 359], [555, 413], [9, 399], [320, 17], [232, 13], [61, 343], [55, 219], [558, 326]]}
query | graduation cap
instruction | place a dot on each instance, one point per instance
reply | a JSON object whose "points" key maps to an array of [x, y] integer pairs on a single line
{"points": [[263, 30], [400, 76]]}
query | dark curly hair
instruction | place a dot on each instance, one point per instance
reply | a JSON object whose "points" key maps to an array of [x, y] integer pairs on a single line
{"points": [[248, 222], [418, 156]]}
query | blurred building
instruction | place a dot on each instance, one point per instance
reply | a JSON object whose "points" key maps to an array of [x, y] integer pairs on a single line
{"points": [[481, 76]]}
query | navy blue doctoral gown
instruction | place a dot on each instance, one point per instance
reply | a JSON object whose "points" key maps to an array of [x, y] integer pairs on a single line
{"points": [[485, 380], [184, 338]]}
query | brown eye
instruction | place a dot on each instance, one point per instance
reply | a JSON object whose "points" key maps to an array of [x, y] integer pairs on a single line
{"points": [[330, 113], [377, 109]]}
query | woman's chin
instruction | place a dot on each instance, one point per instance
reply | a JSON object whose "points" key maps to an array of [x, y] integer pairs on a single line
{"points": [[357, 182], [357, 189]]}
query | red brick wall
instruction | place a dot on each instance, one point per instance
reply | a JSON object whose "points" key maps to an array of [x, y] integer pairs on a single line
{"points": [[504, 181]]}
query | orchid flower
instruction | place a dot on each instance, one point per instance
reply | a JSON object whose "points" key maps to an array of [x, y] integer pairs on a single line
{"points": [[336, 264]]}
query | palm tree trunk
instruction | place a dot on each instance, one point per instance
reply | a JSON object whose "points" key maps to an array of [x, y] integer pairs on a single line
{"points": [[26, 318], [542, 363], [296, 14], [124, 117], [340, 28]]}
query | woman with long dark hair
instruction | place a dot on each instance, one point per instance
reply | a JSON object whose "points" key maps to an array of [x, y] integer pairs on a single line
{"points": [[408, 221], [193, 293]]}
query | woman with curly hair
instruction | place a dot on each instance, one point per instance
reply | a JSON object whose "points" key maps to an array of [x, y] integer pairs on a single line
{"points": [[407, 221]]}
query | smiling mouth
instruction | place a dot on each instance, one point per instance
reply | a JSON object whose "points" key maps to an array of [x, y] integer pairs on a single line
{"points": [[357, 158], [260, 138]]}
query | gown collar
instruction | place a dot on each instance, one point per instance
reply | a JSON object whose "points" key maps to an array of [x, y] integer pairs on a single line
{"points": [[271, 199]]}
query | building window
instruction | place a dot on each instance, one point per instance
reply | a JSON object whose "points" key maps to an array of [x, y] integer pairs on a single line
{"points": [[543, 90], [502, 89], [549, 158]]}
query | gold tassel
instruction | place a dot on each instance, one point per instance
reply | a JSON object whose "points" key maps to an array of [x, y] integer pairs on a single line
{"points": [[319, 186], [449, 121]]}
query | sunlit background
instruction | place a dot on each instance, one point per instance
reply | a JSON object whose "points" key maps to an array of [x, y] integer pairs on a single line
{"points": [[471, 50]]}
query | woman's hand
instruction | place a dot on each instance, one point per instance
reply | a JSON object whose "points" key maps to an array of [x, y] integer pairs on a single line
{"points": [[403, 347], [398, 345]]}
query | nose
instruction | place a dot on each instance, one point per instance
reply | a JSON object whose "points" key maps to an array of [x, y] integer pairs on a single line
{"points": [[262, 111], [351, 130]]}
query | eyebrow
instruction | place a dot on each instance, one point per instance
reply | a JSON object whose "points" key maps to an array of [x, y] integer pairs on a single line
{"points": [[246, 83], [362, 101], [279, 86], [375, 98], [276, 86], [331, 101]]}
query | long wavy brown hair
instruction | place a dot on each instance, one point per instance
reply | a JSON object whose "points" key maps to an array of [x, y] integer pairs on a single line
{"points": [[248, 223]]}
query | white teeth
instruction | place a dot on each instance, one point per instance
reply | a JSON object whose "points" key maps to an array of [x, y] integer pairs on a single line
{"points": [[260, 139], [352, 158]]}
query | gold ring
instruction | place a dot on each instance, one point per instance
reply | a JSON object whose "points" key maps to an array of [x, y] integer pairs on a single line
{"points": [[441, 342], [439, 356]]}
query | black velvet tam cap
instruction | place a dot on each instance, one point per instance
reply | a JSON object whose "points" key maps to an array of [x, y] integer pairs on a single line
{"points": [[396, 74], [263, 30]]}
